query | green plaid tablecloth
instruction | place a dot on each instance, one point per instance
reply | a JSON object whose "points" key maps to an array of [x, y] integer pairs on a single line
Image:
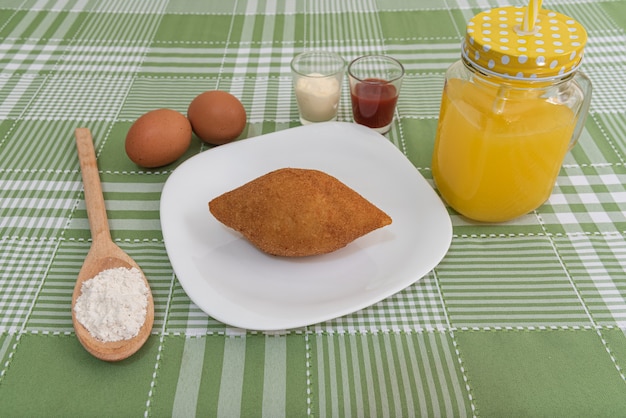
{"points": [[525, 318]]}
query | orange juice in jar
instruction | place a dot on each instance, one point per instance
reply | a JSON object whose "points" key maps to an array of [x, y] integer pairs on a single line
{"points": [[509, 114]]}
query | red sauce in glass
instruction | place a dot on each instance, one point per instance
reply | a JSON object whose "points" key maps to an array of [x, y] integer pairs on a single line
{"points": [[373, 102]]}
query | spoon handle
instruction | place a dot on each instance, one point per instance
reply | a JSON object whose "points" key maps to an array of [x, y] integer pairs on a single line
{"points": [[94, 200]]}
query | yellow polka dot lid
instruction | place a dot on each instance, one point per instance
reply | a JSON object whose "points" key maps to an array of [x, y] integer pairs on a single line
{"points": [[524, 42]]}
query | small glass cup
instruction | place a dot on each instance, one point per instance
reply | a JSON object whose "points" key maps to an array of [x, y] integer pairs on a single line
{"points": [[375, 82], [317, 77]]}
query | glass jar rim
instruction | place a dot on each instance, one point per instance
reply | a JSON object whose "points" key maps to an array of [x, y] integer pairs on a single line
{"points": [[532, 79]]}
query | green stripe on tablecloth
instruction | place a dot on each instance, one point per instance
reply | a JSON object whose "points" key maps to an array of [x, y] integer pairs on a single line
{"points": [[134, 27], [118, 389], [132, 203], [189, 378], [500, 282], [617, 11], [548, 373], [252, 375], [26, 137], [36, 205], [359, 375], [28, 147], [597, 265]]}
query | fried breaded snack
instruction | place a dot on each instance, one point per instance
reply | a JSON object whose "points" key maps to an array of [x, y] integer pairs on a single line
{"points": [[297, 212]]}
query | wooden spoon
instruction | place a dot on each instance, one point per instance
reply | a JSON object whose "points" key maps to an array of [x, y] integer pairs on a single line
{"points": [[104, 254]]}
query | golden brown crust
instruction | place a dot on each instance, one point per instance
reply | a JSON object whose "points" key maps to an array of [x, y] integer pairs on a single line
{"points": [[297, 212]]}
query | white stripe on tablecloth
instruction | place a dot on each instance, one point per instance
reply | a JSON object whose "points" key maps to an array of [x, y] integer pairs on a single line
{"points": [[403, 369], [439, 372], [321, 376], [369, 379], [229, 401], [356, 375], [417, 378], [275, 377], [187, 388], [332, 377], [428, 373], [345, 379], [395, 389], [23, 86], [449, 362], [7, 343], [382, 385]]}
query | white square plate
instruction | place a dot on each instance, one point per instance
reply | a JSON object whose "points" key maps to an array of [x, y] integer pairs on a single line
{"points": [[235, 283]]}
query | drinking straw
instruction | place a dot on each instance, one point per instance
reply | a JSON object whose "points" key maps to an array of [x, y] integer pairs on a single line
{"points": [[530, 15]]}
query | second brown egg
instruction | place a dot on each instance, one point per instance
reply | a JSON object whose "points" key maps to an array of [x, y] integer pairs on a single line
{"points": [[217, 117]]}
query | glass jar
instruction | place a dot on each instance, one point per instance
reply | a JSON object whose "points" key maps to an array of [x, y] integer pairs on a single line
{"points": [[512, 107]]}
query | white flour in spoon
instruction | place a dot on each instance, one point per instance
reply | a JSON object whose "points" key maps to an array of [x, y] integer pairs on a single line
{"points": [[112, 305]]}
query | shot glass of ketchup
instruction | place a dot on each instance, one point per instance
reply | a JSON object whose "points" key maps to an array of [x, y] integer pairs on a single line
{"points": [[375, 82]]}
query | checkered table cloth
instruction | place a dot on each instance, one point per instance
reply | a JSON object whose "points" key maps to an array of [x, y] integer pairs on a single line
{"points": [[525, 318]]}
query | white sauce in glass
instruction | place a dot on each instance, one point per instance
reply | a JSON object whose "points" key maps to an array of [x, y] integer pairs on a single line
{"points": [[318, 97]]}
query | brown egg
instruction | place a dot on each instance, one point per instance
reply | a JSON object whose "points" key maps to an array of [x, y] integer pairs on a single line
{"points": [[217, 117], [158, 138]]}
